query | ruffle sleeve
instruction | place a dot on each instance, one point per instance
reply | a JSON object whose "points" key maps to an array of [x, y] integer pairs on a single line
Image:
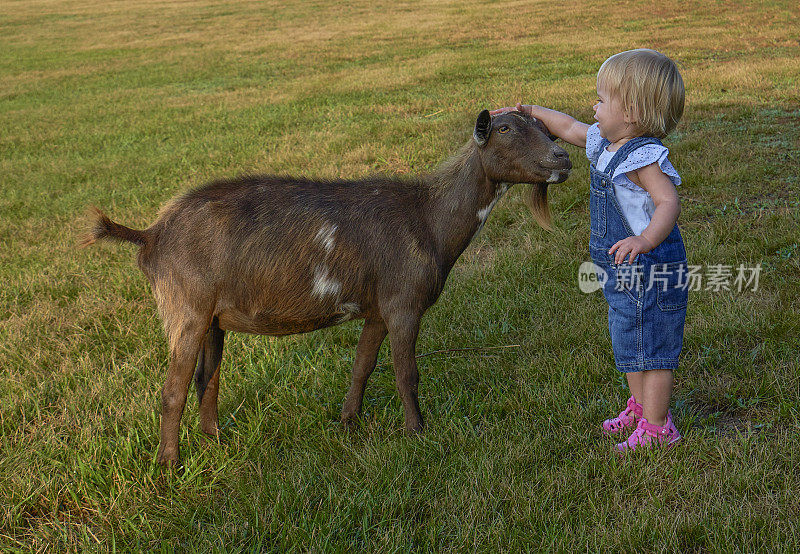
{"points": [[594, 143], [641, 157]]}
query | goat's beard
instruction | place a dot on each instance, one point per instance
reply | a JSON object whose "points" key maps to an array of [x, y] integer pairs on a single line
{"points": [[538, 205]]}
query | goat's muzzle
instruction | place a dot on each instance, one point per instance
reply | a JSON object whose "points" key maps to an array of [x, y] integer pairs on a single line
{"points": [[558, 164], [558, 175]]}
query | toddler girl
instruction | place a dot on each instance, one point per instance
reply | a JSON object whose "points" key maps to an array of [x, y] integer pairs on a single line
{"points": [[634, 207]]}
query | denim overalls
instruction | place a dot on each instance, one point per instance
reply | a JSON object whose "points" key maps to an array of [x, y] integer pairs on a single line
{"points": [[646, 300]]}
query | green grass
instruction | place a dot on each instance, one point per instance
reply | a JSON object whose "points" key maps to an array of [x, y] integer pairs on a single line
{"points": [[123, 105]]}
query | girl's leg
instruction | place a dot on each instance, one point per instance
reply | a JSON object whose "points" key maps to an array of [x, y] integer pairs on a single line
{"points": [[635, 381], [632, 412], [656, 395]]}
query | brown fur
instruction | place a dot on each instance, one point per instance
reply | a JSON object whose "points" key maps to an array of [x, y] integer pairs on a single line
{"points": [[280, 255]]}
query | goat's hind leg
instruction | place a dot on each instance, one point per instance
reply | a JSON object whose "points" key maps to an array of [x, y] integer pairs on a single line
{"points": [[185, 340], [369, 344], [206, 378]]}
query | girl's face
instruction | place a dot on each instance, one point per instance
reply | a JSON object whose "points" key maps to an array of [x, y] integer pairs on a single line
{"points": [[613, 121]]}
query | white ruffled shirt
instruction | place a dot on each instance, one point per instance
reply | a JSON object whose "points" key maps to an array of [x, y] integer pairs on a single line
{"points": [[635, 202]]}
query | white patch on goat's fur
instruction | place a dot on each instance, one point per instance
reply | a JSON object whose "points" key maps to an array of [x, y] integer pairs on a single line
{"points": [[325, 237], [324, 284], [348, 311], [350, 307], [483, 213], [554, 175]]}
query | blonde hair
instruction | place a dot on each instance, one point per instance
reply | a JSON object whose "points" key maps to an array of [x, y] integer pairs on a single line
{"points": [[648, 84]]}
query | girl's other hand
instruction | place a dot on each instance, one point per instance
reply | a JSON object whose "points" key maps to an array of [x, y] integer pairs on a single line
{"points": [[632, 245]]}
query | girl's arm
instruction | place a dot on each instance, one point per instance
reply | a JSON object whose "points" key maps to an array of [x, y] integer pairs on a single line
{"points": [[560, 124], [668, 208]]}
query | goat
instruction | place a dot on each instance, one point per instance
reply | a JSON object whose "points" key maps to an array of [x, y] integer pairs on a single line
{"points": [[277, 255]]}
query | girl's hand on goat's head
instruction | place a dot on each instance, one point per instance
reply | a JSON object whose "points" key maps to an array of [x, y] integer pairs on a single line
{"points": [[501, 111], [524, 108]]}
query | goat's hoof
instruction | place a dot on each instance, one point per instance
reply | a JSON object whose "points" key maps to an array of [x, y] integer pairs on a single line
{"points": [[210, 430], [350, 421], [168, 458], [414, 429]]}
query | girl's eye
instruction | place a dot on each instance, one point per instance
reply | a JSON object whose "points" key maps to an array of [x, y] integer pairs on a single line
{"points": [[504, 129]]}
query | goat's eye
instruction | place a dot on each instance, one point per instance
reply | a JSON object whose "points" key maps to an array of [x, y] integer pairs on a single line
{"points": [[503, 129]]}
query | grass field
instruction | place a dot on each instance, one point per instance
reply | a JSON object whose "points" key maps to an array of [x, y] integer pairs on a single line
{"points": [[124, 104]]}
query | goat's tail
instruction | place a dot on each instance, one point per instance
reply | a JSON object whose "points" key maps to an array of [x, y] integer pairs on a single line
{"points": [[537, 203], [103, 228]]}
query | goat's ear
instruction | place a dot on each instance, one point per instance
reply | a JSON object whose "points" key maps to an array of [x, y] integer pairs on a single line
{"points": [[482, 128]]}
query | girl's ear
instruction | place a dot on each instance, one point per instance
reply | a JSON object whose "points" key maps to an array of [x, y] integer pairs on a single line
{"points": [[631, 115]]}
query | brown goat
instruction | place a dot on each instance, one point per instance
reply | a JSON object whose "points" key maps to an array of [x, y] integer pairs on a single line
{"points": [[280, 255]]}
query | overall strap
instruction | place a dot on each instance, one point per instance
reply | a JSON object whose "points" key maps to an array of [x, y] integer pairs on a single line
{"points": [[625, 150]]}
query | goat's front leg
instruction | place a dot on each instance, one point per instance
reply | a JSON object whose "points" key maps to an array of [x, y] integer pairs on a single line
{"points": [[184, 348], [403, 333], [369, 344]]}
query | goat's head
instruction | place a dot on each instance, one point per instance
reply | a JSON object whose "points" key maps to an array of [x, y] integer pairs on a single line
{"points": [[517, 148]]}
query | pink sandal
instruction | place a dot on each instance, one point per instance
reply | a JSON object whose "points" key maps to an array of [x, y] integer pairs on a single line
{"points": [[627, 418], [647, 435]]}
